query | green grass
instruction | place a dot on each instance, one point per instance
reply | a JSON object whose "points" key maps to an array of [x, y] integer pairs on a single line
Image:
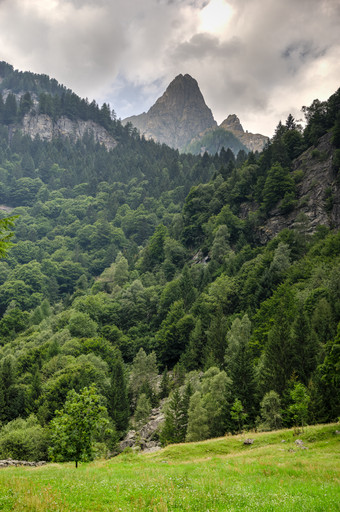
{"points": [[216, 475]]}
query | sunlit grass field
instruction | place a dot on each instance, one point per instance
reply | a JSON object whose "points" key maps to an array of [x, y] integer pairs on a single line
{"points": [[216, 475]]}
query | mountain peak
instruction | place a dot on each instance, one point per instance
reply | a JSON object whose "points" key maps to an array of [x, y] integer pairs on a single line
{"points": [[177, 116]]}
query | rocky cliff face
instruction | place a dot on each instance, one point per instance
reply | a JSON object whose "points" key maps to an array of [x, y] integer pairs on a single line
{"points": [[46, 128], [318, 194], [178, 116], [253, 142]]}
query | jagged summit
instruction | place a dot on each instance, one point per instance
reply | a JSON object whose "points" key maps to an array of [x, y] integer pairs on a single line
{"points": [[232, 123], [178, 116], [252, 141]]}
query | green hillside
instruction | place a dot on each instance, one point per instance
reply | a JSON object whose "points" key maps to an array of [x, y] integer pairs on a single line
{"points": [[135, 262]]}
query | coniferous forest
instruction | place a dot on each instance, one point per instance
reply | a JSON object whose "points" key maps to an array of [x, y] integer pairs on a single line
{"points": [[138, 277]]}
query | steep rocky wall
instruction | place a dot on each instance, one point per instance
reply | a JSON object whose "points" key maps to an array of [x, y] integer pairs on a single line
{"points": [[46, 128], [318, 194]]}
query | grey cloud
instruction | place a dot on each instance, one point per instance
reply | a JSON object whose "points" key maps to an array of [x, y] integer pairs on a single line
{"points": [[272, 55], [203, 44]]}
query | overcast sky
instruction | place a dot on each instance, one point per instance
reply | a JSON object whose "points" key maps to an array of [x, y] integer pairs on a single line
{"points": [[259, 59]]}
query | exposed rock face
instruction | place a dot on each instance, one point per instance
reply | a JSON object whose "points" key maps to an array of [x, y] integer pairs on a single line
{"points": [[178, 116], [147, 438], [46, 128], [318, 194], [254, 142]]}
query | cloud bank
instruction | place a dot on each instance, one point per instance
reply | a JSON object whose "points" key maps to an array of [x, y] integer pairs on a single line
{"points": [[260, 59]]}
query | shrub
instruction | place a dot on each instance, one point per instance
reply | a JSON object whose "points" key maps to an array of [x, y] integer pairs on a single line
{"points": [[24, 440]]}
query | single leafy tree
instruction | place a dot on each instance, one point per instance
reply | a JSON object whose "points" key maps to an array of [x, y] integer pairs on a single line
{"points": [[143, 410], [271, 411], [5, 234], [73, 428], [238, 415], [198, 428], [299, 408]]}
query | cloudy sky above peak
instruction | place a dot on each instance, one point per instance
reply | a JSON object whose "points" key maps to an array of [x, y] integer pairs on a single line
{"points": [[260, 59]]}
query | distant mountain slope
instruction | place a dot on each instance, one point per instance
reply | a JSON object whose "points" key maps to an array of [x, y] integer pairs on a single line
{"points": [[178, 116], [213, 141]]}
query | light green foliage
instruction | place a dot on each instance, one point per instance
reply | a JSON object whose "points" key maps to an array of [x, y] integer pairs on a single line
{"points": [[143, 375], [23, 440], [271, 411], [143, 410], [299, 408], [198, 428], [74, 428], [81, 325], [220, 246], [5, 234], [216, 399], [238, 415], [281, 261]]}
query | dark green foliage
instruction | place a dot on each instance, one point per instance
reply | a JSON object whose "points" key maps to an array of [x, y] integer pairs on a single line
{"points": [[278, 349], [176, 416], [174, 333], [277, 184], [118, 404]]}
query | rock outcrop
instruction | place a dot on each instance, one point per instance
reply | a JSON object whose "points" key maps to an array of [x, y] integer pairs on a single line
{"points": [[253, 142], [317, 194], [146, 439], [178, 116], [42, 125], [10, 462]]}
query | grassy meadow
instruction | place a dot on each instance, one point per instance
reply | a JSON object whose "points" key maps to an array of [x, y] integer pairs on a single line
{"points": [[215, 475]]}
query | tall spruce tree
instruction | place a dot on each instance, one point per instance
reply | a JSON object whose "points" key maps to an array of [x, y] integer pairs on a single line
{"points": [[118, 403]]}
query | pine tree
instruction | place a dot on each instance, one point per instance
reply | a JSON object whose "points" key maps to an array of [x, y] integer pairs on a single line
{"points": [[239, 365], [278, 351], [176, 416], [305, 348], [118, 404], [165, 384]]}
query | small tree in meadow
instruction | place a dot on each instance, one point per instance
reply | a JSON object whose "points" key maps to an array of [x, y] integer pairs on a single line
{"points": [[299, 408], [271, 411], [238, 415], [73, 428]]}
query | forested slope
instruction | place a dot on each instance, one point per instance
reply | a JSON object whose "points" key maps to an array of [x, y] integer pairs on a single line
{"points": [[138, 261]]}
